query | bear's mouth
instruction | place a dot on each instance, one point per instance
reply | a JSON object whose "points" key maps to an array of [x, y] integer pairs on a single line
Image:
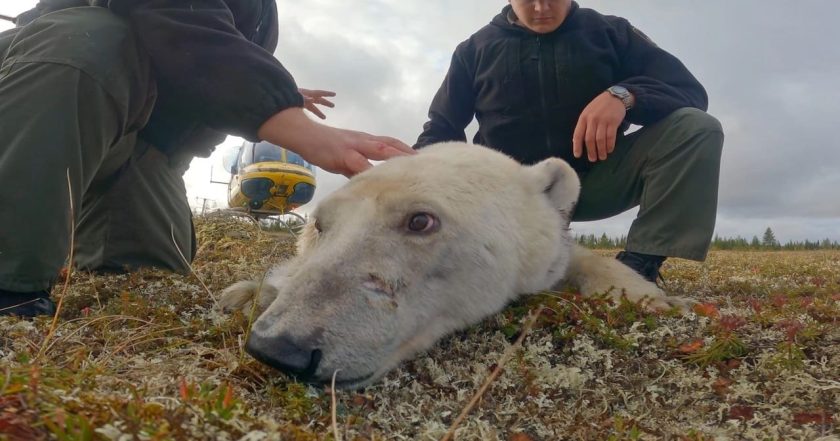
{"points": [[348, 383], [308, 378]]}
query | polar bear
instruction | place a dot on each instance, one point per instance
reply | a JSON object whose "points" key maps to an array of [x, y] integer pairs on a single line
{"points": [[416, 248]]}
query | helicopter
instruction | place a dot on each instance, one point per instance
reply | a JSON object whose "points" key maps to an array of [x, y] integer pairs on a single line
{"points": [[268, 180]]}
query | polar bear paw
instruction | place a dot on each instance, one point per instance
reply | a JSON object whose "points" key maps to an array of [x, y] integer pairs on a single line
{"points": [[239, 296], [662, 302]]}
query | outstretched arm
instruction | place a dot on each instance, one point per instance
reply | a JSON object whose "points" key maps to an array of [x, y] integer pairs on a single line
{"points": [[235, 86], [200, 57], [336, 150]]}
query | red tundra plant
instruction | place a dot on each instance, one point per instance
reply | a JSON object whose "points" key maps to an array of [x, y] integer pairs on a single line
{"points": [[791, 327]]}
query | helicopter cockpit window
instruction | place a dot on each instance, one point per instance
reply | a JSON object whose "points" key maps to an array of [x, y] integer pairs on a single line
{"points": [[247, 156], [230, 159], [294, 158], [266, 151]]}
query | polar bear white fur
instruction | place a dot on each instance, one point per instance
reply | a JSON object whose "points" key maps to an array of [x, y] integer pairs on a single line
{"points": [[416, 248]]}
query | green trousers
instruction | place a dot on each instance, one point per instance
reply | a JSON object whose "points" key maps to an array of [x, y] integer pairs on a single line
{"points": [[670, 171], [75, 89]]}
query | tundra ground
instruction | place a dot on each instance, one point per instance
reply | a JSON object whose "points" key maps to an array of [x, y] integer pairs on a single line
{"points": [[148, 356]]}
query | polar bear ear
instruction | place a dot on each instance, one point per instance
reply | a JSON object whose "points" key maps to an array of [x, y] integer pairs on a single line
{"points": [[559, 182]]}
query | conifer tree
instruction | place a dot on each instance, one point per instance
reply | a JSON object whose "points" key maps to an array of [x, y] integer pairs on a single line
{"points": [[769, 240]]}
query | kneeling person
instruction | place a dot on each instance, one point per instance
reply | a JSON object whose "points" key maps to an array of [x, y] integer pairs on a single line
{"points": [[548, 78]]}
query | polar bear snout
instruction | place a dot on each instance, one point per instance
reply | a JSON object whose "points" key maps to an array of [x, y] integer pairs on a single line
{"points": [[297, 358], [332, 313]]}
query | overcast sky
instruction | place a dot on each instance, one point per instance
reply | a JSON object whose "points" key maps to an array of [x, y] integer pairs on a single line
{"points": [[771, 67]]}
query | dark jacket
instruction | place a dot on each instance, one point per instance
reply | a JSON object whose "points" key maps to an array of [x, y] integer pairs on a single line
{"points": [[528, 90], [214, 66]]}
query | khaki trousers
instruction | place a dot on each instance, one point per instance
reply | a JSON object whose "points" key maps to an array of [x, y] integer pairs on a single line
{"points": [[75, 89], [670, 170]]}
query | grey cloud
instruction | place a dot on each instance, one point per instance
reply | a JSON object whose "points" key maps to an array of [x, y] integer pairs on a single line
{"points": [[770, 67], [367, 81]]}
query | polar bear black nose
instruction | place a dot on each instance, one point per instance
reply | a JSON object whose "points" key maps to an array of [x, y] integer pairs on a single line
{"points": [[283, 353]]}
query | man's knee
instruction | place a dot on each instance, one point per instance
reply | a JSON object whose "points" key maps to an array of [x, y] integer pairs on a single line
{"points": [[695, 121], [92, 39], [685, 130], [95, 42], [692, 134]]}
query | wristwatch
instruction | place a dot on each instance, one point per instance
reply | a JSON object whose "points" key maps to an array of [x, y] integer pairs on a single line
{"points": [[623, 94]]}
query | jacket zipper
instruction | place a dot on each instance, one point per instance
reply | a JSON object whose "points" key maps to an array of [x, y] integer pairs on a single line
{"points": [[263, 13], [541, 74]]}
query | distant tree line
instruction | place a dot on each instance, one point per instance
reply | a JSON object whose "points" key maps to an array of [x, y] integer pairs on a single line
{"points": [[601, 242], [767, 242], [275, 223]]}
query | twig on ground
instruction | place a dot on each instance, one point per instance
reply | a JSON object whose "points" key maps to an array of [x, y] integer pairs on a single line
{"points": [[95, 291], [192, 271], [555, 295], [89, 322], [67, 276], [132, 341], [333, 406], [495, 374], [18, 304]]}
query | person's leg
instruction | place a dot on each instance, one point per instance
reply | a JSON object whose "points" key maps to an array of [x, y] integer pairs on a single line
{"points": [[6, 38], [670, 170], [140, 218], [73, 84]]}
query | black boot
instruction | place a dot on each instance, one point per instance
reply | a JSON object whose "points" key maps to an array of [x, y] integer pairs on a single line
{"points": [[26, 304], [647, 265]]}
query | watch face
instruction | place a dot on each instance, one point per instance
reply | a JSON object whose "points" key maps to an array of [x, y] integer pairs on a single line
{"points": [[619, 90], [623, 94]]}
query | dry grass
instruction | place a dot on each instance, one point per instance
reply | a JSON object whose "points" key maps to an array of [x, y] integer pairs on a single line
{"points": [[146, 356]]}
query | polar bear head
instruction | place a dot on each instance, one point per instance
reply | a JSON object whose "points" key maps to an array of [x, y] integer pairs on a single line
{"points": [[410, 251]]}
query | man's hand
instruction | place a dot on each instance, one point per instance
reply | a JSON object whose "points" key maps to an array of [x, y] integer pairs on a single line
{"points": [[313, 97], [597, 127], [335, 150], [348, 151]]}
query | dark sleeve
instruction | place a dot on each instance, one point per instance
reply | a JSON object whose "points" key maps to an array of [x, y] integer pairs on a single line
{"points": [[659, 81], [231, 84], [453, 106]]}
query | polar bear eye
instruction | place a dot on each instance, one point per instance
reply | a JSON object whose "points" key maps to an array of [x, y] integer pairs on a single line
{"points": [[422, 223], [318, 226]]}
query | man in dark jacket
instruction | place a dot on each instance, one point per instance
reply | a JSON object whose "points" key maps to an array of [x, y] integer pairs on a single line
{"points": [[547, 78], [102, 106]]}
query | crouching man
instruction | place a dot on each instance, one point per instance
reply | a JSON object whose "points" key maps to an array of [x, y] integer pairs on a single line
{"points": [[117, 97], [547, 78]]}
